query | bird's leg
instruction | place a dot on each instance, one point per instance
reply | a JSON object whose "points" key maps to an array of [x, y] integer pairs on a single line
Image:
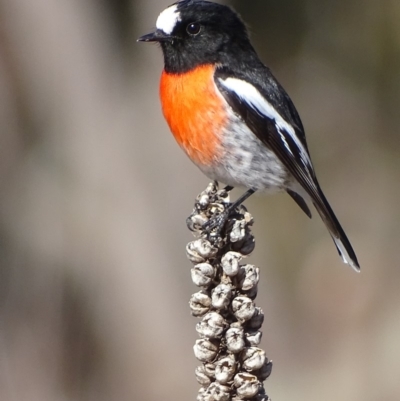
{"points": [[241, 200], [219, 221]]}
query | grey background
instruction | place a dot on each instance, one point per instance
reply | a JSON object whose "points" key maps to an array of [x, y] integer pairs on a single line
{"points": [[94, 194]]}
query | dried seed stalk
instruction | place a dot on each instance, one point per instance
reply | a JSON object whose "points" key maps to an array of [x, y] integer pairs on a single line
{"points": [[233, 366]]}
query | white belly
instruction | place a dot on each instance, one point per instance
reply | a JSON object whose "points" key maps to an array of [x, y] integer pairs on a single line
{"points": [[245, 161]]}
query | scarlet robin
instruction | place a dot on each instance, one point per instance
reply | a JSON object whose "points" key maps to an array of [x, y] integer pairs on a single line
{"points": [[229, 113]]}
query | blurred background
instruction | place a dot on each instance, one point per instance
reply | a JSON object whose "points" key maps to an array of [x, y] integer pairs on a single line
{"points": [[94, 193]]}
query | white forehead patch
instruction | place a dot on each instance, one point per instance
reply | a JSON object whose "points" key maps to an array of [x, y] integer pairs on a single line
{"points": [[168, 19]]}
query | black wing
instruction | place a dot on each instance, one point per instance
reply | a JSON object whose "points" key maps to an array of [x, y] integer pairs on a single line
{"points": [[265, 107], [279, 128]]}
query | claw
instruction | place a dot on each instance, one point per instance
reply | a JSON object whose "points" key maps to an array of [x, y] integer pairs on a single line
{"points": [[216, 223]]}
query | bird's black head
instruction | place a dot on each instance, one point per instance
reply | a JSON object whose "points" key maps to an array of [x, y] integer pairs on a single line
{"points": [[196, 32]]}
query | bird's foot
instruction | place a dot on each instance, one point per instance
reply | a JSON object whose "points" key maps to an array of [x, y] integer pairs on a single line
{"points": [[215, 225]]}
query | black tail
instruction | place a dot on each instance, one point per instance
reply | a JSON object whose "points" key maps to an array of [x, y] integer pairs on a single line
{"points": [[335, 229]]}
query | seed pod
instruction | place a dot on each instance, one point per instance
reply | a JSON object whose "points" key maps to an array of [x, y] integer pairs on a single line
{"points": [[223, 196], [253, 338], [230, 263], [265, 371], [200, 304], [218, 392], [247, 385], [243, 308], [252, 294], [212, 188], [200, 250], [203, 200], [225, 369], [195, 222], [235, 339], [203, 274], [201, 394], [212, 326], [205, 350], [257, 320], [246, 245], [238, 231], [249, 277], [253, 358], [209, 370], [201, 376], [221, 296]]}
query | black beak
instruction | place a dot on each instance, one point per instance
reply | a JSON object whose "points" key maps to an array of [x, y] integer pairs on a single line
{"points": [[157, 36]]}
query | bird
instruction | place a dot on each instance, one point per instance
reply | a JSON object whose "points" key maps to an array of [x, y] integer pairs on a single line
{"points": [[229, 113]]}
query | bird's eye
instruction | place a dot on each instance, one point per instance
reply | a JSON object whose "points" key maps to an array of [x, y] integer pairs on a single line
{"points": [[193, 29]]}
